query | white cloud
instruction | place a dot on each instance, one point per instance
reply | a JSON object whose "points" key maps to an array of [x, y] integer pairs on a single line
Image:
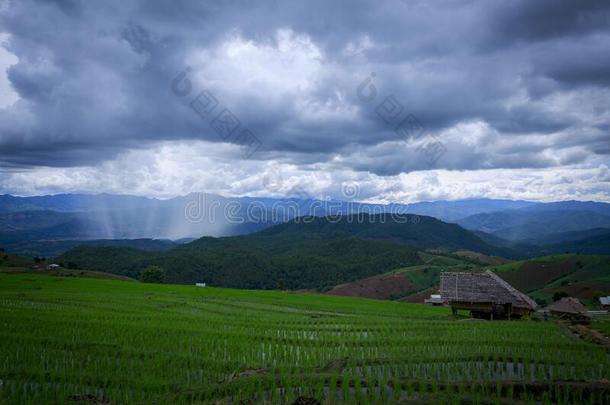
{"points": [[287, 66], [172, 169]]}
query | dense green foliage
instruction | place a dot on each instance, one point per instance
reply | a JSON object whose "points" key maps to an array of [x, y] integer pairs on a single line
{"points": [[416, 230], [310, 252], [65, 339], [598, 244], [581, 276], [559, 295], [9, 260], [152, 274], [115, 259], [256, 261]]}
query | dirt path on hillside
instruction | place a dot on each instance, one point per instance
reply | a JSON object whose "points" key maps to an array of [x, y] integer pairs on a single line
{"points": [[591, 335]]}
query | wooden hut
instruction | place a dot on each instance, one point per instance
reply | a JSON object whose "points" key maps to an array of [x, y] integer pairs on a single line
{"points": [[568, 308], [485, 295]]}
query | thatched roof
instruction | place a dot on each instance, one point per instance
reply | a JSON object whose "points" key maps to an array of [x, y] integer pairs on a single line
{"points": [[484, 287], [568, 305]]}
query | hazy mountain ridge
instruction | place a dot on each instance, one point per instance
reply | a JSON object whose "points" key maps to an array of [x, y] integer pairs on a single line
{"points": [[105, 216], [516, 225], [540, 224], [570, 236], [594, 245], [57, 247]]}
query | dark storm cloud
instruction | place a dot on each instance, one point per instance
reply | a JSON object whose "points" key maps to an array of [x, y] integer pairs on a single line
{"points": [[576, 63], [94, 78], [524, 20]]}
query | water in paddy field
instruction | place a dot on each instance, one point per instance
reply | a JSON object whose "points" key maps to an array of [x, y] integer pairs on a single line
{"points": [[471, 371]]}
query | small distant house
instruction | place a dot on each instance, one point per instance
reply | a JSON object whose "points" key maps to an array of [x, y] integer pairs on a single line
{"points": [[53, 266], [485, 295], [605, 301], [435, 299], [568, 308], [199, 284]]}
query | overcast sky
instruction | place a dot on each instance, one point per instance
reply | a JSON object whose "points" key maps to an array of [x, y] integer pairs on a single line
{"points": [[400, 100]]}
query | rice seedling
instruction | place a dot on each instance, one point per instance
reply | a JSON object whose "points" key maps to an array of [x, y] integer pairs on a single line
{"points": [[130, 343]]}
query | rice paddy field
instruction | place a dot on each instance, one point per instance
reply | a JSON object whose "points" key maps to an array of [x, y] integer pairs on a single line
{"points": [[77, 340]]}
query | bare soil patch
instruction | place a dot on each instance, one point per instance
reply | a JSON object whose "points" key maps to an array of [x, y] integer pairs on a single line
{"points": [[85, 399], [419, 297], [584, 290], [591, 335], [535, 275], [306, 401], [334, 366], [378, 287]]}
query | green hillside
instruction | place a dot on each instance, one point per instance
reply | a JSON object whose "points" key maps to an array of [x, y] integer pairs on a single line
{"points": [[405, 282], [10, 260], [597, 244], [256, 262], [321, 253], [86, 341], [427, 275], [308, 253], [416, 230], [581, 276]]}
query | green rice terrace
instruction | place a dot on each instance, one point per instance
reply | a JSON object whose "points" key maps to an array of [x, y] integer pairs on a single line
{"points": [[95, 341]]}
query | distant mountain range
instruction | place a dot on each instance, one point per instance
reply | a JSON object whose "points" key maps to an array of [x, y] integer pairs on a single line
{"points": [[594, 245], [49, 225], [75, 216], [448, 211], [541, 223], [47, 248]]}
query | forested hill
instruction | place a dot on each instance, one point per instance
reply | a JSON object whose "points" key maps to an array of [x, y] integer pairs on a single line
{"points": [[416, 230], [308, 252], [251, 263]]}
